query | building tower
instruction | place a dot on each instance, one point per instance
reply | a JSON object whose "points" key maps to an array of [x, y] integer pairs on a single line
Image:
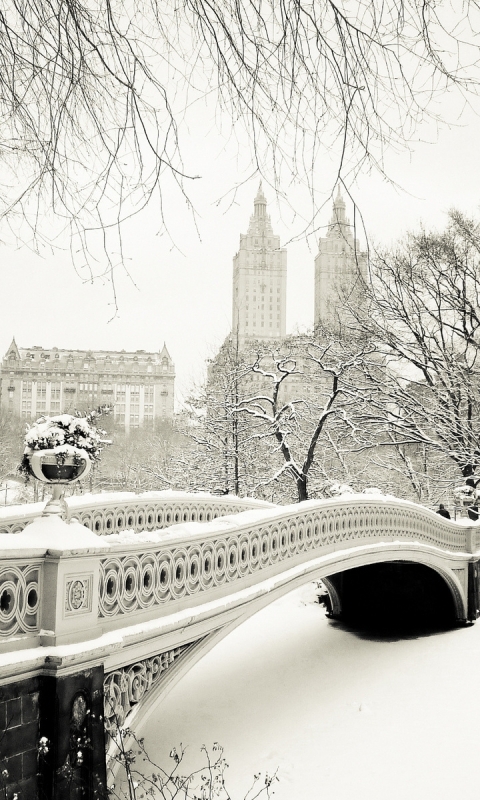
{"points": [[259, 279], [340, 270]]}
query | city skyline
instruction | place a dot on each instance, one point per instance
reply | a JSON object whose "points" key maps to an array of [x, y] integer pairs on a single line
{"points": [[183, 296]]}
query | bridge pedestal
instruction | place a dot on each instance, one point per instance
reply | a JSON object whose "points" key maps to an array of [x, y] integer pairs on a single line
{"points": [[54, 745], [73, 722]]}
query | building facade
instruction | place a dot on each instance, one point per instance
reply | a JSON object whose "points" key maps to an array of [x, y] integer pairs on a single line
{"points": [[139, 385], [340, 271], [259, 279]]}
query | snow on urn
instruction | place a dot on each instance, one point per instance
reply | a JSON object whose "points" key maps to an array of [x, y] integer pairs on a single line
{"points": [[60, 450]]}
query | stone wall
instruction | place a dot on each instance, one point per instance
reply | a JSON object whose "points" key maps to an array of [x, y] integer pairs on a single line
{"points": [[19, 732]]}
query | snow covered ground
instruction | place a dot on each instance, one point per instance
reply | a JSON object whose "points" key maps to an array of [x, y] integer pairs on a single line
{"points": [[341, 716]]}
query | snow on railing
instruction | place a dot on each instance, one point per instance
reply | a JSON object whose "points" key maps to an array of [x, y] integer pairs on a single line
{"points": [[151, 573], [142, 571], [116, 511]]}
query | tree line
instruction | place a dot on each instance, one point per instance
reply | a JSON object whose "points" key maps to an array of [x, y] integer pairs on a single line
{"points": [[390, 400]]}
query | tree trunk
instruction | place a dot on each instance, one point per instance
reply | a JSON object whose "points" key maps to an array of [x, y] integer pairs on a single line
{"points": [[302, 488], [468, 470]]}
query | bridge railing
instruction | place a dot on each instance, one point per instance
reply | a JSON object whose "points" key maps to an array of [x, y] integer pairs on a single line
{"points": [[64, 593], [21, 582], [138, 576], [54, 593], [116, 511]]}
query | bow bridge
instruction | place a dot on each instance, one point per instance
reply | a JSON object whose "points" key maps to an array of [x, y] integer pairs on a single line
{"points": [[101, 614]]}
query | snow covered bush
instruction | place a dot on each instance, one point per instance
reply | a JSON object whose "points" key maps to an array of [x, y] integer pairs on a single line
{"points": [[65, 434]]}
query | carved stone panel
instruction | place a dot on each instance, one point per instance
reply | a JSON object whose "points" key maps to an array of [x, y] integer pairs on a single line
{"points": [[78, 594]]}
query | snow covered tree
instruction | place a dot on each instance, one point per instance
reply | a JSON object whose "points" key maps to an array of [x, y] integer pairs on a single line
{"points": [[423, 316], [223, 453], [300, 393], [142, 459], [11, 446]]}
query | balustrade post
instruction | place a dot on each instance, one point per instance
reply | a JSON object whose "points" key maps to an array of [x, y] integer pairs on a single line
{"points": [[69, 610], [53, 741]]}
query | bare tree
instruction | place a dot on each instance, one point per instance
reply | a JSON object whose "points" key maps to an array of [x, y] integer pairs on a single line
{"points": [[222, 447], [423, 315], [95, 97], [305, 388]]}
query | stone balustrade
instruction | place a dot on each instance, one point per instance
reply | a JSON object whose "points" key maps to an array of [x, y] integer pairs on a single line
{"points": [[116, 511], [190, 559], [106, 618], [127, 577]]}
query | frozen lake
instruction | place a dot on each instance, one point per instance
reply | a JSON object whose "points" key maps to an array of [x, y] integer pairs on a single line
{"points": [[341, 716]]}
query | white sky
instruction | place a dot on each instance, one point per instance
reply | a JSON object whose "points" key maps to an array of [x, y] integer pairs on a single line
{"points": [[183, 297]]}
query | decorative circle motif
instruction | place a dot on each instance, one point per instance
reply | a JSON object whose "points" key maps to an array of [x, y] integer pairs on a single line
{"points": [[232, 558], [179, 568], [77, 595], [113, 709], [137, 682], [220, 562], [243, 565], [33, 597], [254, 550], [193, 569], [164, 576], [292, 539], [264, 548], [207, 573], [147, 583], [274, 546]]}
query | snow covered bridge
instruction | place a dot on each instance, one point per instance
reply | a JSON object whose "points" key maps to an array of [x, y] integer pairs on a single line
{"points": [[98, 619]]}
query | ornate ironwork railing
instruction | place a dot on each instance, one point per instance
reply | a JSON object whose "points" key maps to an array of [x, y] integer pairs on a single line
{"points": [[151, 574], [20, 597], [117, 511], [137, 577]]}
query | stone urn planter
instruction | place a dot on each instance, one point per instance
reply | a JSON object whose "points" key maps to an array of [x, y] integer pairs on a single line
{"points": [[59, 466], [61, 450]]}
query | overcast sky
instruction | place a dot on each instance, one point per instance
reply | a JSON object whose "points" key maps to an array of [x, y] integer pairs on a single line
{"points": [[180, 286]]}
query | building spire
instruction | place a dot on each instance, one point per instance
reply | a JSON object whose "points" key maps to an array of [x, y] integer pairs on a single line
{"points": [[338, 216], [260, 205]]}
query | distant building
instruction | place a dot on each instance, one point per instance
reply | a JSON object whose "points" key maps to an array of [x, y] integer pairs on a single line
{"points": [[340, 271], [259, 279], [140, 386]]}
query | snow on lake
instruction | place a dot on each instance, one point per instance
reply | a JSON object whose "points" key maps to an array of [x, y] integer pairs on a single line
{"points": [[341, 716]]}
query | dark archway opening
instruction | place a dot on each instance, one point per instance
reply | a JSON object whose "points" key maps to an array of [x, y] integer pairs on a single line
{"points": [[396, 598]]}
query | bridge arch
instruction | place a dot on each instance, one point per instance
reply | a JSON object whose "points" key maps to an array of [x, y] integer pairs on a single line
{"points": [[138, 608], [452, 576]]}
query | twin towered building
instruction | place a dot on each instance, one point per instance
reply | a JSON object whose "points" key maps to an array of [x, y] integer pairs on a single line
{"points": [[140, 385], [260, 275]]}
